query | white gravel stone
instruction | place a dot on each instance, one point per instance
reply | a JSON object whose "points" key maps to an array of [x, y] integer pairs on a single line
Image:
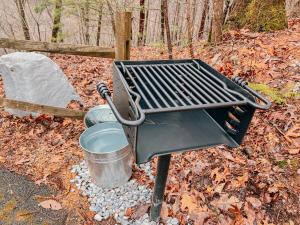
{"points": [[114, 202], [98, 217]]}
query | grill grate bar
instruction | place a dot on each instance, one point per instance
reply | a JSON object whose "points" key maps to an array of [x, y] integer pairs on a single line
{"points": [[138, 88], [145, 76], [175, 86], [203, 85], [160, 88], [167, 86], [220, 90], [171, 73], [145, 86], [217, 90]]}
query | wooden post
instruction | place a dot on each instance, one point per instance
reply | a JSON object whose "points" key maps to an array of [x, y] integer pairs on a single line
{"points": [[123, 35]]}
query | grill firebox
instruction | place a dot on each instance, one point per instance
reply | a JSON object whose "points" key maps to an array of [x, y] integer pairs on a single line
{"points": [[177, 105]]}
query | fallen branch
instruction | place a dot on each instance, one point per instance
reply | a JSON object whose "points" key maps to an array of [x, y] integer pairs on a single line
{"points": [[44, 109]]}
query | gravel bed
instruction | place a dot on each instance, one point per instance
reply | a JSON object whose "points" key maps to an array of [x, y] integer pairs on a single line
{"points": [[114, 202], [146, 167]]}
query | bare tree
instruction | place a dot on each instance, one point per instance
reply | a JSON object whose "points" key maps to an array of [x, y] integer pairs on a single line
{"points": [[111, 11], [99, 24], [217, 21], [203, 18], [141, 22], [175, 20], [162, 21], [226, 11], [56, 20], [190, 28], [36, 20], [146, 23], [20, 5], [166, 19], [86, 21]]}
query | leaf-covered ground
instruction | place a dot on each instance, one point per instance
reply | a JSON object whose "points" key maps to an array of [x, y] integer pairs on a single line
{"points": [[257, 183]]}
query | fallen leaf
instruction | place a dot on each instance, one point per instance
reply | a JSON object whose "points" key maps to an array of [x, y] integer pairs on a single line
{"points": [[50, 204], [256, 203], [251, 215], [225, 202], [140, 211], [218, 176], [238, 217], [228, 155], [199, 217], [240, 181], [129, 212], [293, 151], [219, 188], [2, 159], [188, 202], [22, 161], [293, 136]]}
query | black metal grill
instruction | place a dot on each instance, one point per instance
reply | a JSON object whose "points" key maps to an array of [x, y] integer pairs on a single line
{"points": [[178, 105], [172, 87]]}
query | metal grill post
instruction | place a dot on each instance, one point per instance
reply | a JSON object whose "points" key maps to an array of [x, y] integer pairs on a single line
{"points": [[159, 187]]}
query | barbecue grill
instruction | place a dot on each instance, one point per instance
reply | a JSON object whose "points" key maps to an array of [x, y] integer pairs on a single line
{"points": [[178, 105]]}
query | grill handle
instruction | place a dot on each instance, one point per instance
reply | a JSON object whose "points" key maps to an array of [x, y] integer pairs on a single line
{"points": [[267, 104], [105, 94]]}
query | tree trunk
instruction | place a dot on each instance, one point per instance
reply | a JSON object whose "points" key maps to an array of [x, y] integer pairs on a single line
{"points": [[56, 20], [175, 21], [190, 28], [226, 11], [162, 21], [166, 19], [217, 21], [20, 5], [111, 16], [141, 23], [203, 18], [99, 24], [86, 21], [146, 24]]}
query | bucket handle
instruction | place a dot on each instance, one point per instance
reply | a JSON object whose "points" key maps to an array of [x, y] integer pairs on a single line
{"points": [[105, 94]]}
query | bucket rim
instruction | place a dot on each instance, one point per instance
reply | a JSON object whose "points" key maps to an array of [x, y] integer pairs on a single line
{"points": [[97, 107], [117, 125]]}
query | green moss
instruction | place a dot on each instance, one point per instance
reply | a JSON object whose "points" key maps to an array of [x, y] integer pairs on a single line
{"points": [[278, 96], [282, 164], [265, 15], [258, 15]]}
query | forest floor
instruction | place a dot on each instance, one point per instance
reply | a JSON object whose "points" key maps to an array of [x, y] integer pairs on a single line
{"points": [[257, 183]]}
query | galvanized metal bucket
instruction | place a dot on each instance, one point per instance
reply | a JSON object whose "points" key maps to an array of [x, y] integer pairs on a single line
{"points": [[99, 114], [107, 153]]}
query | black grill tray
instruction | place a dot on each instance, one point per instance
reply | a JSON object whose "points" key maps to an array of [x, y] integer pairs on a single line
{"points": [[173, 132]]}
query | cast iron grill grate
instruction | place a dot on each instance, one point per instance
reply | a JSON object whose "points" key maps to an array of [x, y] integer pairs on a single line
{"points": [[178, 86]]}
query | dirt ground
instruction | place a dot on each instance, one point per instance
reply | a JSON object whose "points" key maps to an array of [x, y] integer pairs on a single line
{"points": [[257, 183]]}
